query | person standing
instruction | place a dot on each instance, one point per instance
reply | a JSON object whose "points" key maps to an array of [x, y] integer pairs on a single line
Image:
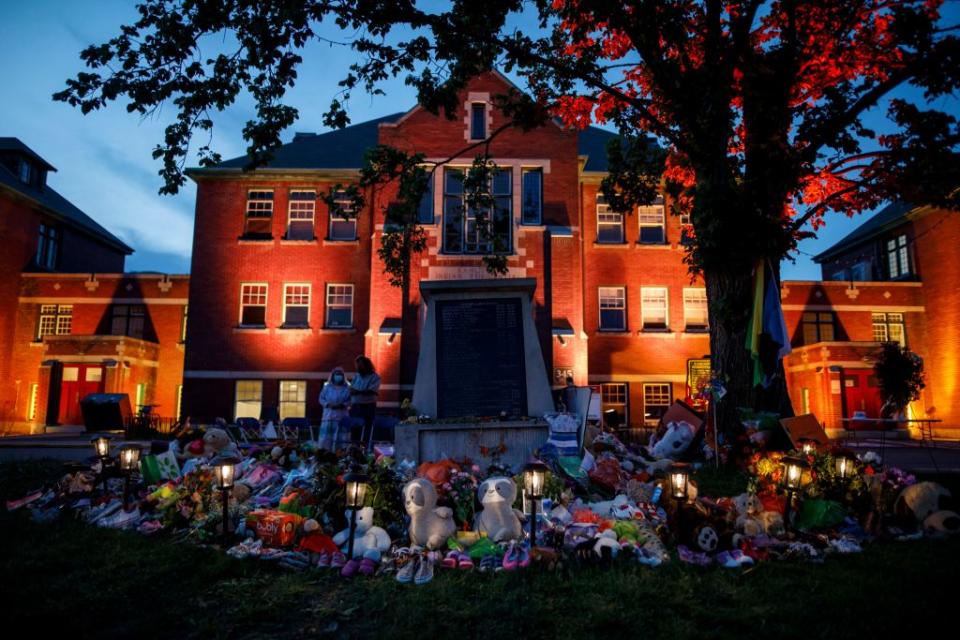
{"points": [[335, 400], [364, 389]]}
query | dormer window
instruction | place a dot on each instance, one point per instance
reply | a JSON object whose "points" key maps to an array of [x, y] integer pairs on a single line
{"points": [[26, 172], [478, 121]]}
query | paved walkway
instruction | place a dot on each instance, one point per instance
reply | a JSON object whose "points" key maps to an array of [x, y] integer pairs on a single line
{"points": [[912, 455]]}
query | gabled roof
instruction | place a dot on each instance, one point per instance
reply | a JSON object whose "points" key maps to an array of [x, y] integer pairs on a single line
{"points": [[52, 203], [343, 149], [16, 145], [890, 217]]}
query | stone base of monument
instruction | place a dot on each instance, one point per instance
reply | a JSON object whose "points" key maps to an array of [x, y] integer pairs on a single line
{"points": [[458, 440]]}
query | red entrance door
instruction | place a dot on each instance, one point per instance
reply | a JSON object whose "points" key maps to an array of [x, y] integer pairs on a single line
{"points": [[860, 393], [79, 380]]}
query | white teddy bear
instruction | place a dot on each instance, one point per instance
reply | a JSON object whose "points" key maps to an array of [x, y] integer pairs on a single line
{"points": [[369, 541], [675, 441]]}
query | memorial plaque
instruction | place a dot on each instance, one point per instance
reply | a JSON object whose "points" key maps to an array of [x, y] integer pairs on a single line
{"points": [[480, 358]]}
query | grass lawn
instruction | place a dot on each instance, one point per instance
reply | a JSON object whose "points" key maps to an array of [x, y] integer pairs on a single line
{"points": [[84, 581]]}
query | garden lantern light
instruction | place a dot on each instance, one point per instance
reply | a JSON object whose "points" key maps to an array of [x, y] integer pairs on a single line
{"points": [[129, 462], [808, 446], [679, 481], [226, 473], [534, 480], [101, 445], [792, 481], [356, 484], [846, 463]]}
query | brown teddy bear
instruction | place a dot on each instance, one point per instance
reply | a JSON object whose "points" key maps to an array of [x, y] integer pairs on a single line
{"points": [[216, 442]]}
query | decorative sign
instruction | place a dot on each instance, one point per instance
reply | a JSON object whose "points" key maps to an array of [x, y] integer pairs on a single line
{"points": [[698, 375], [480, 358]]}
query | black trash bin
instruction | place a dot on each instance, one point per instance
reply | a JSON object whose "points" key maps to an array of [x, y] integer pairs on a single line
{"points": [[105, 411]]}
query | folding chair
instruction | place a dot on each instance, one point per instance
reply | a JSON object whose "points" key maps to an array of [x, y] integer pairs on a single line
{"points": [[293, 428], [250, 429], [382, 430]]}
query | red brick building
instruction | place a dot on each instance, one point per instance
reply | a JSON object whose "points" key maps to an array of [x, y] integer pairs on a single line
{"points": [[72, 322], [282, 292], [891, 279]]}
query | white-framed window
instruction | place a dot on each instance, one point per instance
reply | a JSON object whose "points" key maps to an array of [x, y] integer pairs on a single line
{"points": [[343, 220], [339, 306], [179, 396], [653, 223], [248, 399], [695, 315], [613, 308], [32, 407], [615, 404], [259, 215], [531, 198], [293, 399], [55, 320], [461, 231], [425, 209], [889, 327], [657, 398], [478, 121], [898, 257], [609, 223], [253, 304], [26, 172], [296, 305], [301, 212], [653, 308]]}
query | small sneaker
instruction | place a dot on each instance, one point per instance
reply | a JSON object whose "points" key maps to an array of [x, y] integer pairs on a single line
{"points": [[511, 559], [693, 557], [425, 570], [523, 555], [323, 561], [338, 560], [489, 563], [450, 562], [464, 561], [409, 569]]}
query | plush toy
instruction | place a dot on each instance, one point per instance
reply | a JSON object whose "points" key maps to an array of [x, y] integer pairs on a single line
{"points": [[217, 441], [940, 524], [773, 524], [674, 443], [430, 526], [920, 500], [498, 519], [748, 515], [369, 541], [606, 544], [313, 540]]}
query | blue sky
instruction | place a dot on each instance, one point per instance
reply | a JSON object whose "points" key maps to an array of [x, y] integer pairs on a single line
{"points": [[104, 159]]}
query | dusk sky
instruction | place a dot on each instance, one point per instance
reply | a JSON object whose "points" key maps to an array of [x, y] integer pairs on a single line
{"points": [[104, 159]]}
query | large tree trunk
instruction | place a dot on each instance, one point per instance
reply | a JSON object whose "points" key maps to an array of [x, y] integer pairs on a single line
{"points": [[730, 295]]}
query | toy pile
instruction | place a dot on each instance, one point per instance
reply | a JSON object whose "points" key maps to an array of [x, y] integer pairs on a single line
{"points": [[613, 504]]}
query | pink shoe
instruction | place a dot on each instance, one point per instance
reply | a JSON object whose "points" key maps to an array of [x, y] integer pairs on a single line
{"points": [[464, 561], [511, 558], [450, 562], [523, 554], [338, 560]]}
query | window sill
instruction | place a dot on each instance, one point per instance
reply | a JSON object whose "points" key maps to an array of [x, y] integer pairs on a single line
{"points": [[611, 245], [295, 241], [654, 245], [613, 332], [295, 328], [251, 329], [697, 331], [656, 333], [36, 343], [254, 239], [443, 255], [337, 330], [533, 226], [332, 242]]}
